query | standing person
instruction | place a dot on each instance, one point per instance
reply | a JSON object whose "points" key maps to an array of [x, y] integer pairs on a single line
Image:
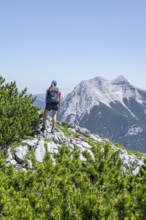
{"points": [[53, 98]]}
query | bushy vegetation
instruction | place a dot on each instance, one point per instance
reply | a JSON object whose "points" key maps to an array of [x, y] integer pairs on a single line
{"points": [[63, 187], [18, 117], [71, 189]]}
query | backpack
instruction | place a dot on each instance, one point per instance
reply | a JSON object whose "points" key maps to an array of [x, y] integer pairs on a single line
{"points": [[52, 95]]}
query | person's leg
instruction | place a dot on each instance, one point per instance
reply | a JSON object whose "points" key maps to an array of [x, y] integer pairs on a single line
{"points": [[55, 108], [45, 118], [54, 116]]}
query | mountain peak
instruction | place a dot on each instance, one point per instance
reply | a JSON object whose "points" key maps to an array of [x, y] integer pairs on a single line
{"points": [[120, 79], [99, 79]]}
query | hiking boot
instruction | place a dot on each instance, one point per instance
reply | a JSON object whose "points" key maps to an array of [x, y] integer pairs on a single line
{"points": [[43, 128], [52, 130], [56, 129]]}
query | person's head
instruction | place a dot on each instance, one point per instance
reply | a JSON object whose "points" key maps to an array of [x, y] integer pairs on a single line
{"points": [[54, 83]]}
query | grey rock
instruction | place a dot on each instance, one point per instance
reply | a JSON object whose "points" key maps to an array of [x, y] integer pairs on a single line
{"points": [[20, 153], [40, 151]]}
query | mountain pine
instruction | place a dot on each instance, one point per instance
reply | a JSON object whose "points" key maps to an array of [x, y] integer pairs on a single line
{"points": [[18, 117]]}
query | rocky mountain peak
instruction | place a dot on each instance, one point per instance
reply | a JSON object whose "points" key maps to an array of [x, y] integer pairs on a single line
{"points": [[99, 105], [99, 80], [120, 80]]}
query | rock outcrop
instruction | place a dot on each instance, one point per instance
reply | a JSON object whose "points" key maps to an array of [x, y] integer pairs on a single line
{"points": [[72, 136]]}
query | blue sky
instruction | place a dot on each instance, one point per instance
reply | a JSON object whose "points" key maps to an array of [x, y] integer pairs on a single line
{"points": [[71, 41]]}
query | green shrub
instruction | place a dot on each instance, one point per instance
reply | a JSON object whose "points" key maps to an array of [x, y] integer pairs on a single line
{"points": [[18, 117], [71, 189]]}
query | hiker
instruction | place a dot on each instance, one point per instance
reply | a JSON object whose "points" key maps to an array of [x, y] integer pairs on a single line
{"points": [[53, 97]]}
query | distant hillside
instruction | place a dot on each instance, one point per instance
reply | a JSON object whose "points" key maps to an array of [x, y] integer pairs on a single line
{"points": [[40, 101]]}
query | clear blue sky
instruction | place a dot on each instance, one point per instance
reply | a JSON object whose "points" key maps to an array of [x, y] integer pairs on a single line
{"points": [[72, 40]]}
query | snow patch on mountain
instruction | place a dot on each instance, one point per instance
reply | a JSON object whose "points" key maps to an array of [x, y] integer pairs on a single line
{"points": [[134, 130]]}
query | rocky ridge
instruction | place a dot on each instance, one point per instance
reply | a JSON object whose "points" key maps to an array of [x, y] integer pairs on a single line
{"points": [[72, 136]]}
